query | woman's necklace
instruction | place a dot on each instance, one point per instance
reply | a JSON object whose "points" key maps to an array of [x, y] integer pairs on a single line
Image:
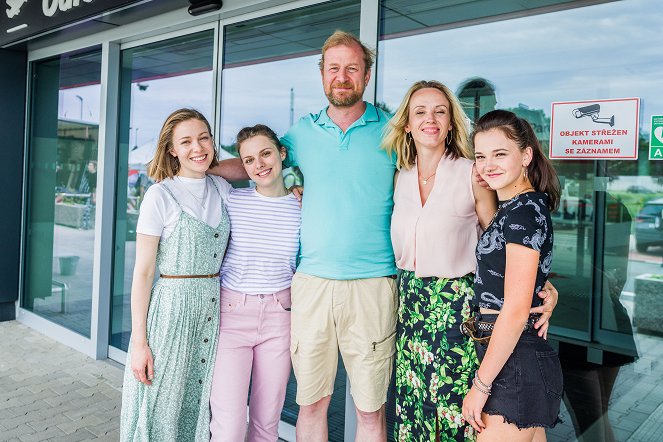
{"points": [[199, 200], [424, 181], [499, 207]]}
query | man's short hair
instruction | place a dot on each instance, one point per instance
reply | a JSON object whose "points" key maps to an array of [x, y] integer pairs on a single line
{"points": [[342, 38]]}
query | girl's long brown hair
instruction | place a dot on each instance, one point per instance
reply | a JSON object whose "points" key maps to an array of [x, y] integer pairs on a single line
{"points": [[540, 170]]}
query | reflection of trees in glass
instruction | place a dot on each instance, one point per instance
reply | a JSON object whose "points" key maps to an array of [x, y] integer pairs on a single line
{"points": [[230, 148], [385, 107], [636, 182], [76, 149], [538, 120]]}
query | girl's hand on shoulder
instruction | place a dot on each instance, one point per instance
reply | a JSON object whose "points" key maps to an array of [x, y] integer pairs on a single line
{"points": [[142, 363], [477, 178], [472, 408]]}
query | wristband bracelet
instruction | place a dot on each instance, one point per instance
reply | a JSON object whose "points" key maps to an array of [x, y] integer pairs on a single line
{"points": [[476, 385], [481, 383]]}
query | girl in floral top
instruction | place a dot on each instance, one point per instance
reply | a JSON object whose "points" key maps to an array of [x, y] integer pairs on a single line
{"points": [[517, 389]]}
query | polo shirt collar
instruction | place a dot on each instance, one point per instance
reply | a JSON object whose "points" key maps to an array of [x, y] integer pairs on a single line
{"points": [[370, 115]]}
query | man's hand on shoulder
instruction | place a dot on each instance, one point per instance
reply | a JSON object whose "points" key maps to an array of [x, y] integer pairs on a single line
{"points": [[230, 170]]}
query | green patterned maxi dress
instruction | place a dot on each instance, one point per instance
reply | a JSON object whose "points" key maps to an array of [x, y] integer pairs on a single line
{"points": [[434, 361], [182, 330]]}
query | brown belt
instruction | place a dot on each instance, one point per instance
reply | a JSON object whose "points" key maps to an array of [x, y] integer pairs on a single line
{"points": [[213, 275]]}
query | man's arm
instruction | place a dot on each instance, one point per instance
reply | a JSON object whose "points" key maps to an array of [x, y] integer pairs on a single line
{"points": [[230, 170]]}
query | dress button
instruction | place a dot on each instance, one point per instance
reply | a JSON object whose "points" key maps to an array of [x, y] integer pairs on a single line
{"points": [[216, 235], [200, 381], [205, 340], [215, 255], [213, 299], [202, 360], [209, 318]]}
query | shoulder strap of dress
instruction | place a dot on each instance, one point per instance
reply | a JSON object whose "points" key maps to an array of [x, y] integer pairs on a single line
{"points": [[170, 192], [216, 186]]}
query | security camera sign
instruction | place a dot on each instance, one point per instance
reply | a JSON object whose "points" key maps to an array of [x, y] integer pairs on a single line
{"points": [[597, 129]]}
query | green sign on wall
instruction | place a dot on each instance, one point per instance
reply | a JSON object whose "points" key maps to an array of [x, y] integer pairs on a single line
{"points": [[656, 138]]}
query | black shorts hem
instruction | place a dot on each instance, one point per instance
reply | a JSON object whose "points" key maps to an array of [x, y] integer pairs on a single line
{"points": [[521, 426]]}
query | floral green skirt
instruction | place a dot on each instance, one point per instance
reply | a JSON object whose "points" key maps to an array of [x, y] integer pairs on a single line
{"points": [[434, 361]]}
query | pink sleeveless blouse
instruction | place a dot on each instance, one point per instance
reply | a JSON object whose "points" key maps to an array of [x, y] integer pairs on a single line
{"points": [[438, 239]]}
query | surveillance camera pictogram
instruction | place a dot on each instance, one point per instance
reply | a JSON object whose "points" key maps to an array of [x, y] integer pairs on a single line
{"points": [[592, 111]]}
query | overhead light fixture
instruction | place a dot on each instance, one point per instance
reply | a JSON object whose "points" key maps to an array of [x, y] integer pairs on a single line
{"points": [[199, 7]]}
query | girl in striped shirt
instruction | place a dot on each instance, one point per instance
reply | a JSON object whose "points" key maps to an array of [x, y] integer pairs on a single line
{"points": [[254, 337]]}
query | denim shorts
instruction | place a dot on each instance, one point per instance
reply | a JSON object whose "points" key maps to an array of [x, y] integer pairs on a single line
{"points": [[528, 390]]}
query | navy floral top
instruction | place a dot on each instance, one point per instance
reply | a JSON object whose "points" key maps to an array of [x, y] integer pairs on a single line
{"points": [[524, 220]]}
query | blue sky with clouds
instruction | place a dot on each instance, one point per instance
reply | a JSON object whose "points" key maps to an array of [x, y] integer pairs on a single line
{"points": [[604, 51]]}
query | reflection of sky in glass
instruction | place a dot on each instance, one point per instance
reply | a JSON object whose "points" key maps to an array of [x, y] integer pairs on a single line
{"points": [[261, 94], [604, 51], [86, 108], [151, 106]]}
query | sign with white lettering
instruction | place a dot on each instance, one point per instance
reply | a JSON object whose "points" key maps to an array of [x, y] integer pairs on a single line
{"points": [[22, 19], [597, 129], [656, 138]]}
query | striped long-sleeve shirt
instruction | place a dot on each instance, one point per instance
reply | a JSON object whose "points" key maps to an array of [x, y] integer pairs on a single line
{"points": [[264, 242]]}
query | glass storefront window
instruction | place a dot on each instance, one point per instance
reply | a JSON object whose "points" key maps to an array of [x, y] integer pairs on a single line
{"points": [[62, 181], [156, 79], [608, 234], [271, 76]]}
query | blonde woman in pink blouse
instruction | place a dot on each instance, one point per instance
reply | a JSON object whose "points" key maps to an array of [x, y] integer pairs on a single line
{"points": [[439, 210]]}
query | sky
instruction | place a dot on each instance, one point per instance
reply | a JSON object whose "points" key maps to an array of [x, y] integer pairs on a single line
{"points": [[605, 51]]}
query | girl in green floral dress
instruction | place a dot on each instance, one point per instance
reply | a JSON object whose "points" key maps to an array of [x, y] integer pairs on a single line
{"points": [[182, 231]]}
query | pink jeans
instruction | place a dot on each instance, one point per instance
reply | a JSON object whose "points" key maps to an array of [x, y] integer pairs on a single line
{"points": [[254, 345]]}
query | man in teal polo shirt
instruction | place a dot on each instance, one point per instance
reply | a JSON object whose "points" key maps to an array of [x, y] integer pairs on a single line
{"points": [[344, 292]]}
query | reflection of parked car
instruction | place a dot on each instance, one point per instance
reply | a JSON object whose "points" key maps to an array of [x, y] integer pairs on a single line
{"points": [[638, 189], [572, 210], [648, 225]]}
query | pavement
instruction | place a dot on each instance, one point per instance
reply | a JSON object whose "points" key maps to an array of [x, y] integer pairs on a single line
{"points": [[50, 392]]}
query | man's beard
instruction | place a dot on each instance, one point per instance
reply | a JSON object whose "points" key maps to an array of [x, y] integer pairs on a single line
{"points": [[344, 100]]}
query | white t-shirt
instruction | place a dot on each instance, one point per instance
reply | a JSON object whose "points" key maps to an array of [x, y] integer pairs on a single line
{"points": [[197, 196]]}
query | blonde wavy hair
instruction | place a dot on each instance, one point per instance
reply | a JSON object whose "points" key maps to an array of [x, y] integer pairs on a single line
{"points": [[399, 141], [164, 165]]}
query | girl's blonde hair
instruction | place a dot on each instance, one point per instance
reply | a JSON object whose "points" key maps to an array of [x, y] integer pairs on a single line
{"points": [[401, 142], [164, 165]]}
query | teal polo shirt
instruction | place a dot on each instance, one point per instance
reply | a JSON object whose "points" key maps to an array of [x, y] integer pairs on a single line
{"points": [[348, 196]]}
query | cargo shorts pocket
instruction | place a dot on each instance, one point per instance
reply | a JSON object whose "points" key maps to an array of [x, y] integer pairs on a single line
{"points": [[551, 372], [382, 349]]}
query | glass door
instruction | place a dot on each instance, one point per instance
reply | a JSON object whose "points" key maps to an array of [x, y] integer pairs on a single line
{"points": [[156, 79], [271, 76], [62, 181]]}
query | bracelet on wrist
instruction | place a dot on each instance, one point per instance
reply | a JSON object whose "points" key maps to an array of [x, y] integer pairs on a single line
{"points": [[478, 387], [481, 383]]}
